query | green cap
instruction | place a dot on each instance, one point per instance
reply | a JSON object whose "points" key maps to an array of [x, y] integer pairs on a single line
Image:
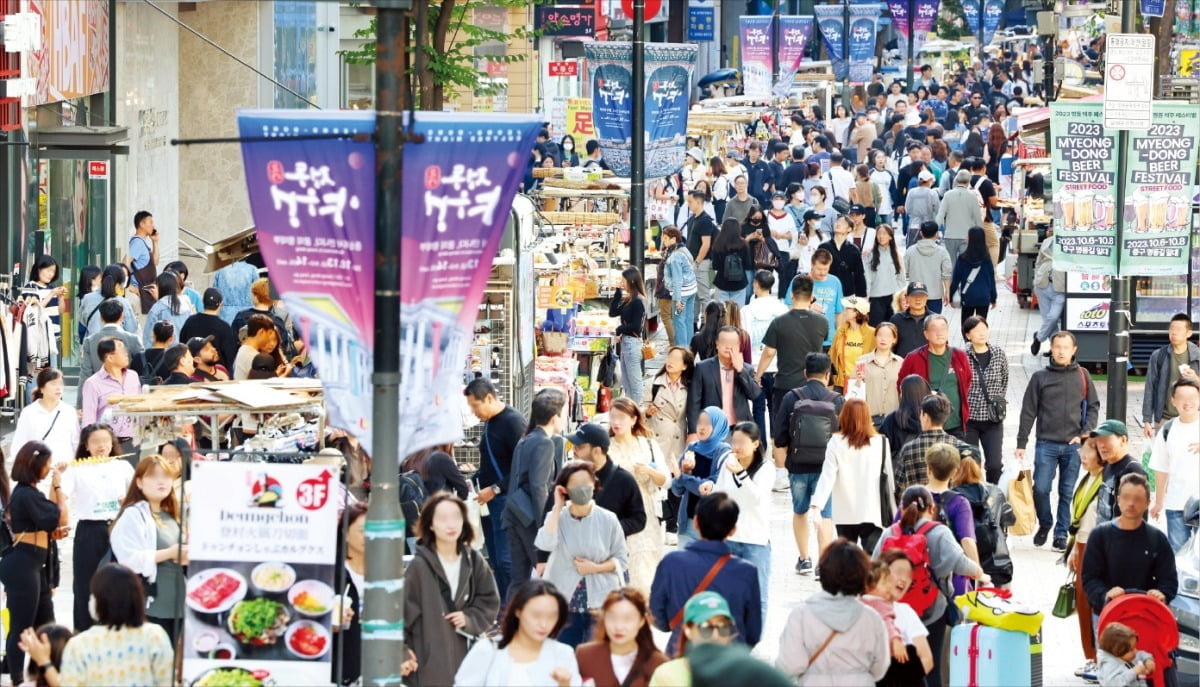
{"points": [[705, 606], [1110, 428]]}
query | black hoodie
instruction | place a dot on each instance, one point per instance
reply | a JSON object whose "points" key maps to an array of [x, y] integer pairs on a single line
{"points": [[1054, 397]]}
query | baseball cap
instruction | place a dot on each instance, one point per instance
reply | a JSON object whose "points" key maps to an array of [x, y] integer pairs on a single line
{"points": [[212, 298], [704, 607], [860, 304], [925, 175], [857, 210], [197, 343], [696, 154], [916, 288], [813, 215], [1110, 428], [591, 434], [262, 367]]}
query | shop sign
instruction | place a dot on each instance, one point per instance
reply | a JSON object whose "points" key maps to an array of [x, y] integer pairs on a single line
{"points": [[1087, 314], [701, 20], [73, 59], [579, 118], [1084, 282], [565, 68], [98, 169], [497, 69], [1160, 183], [1153, 8], [565, 21], [1084, 165], [262, 541]]}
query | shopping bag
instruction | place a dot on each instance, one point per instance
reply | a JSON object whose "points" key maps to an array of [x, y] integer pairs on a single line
{"points": [[1064, 605], [1020, 497], [476, 519]]}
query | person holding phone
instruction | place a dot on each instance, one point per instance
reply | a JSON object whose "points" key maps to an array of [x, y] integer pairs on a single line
{"points": [[143, 259]]}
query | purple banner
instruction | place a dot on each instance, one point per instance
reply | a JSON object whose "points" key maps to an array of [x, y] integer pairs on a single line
{"points": [[899, 12], [757, 50], [313, 203], [794, 35], [993, 11], [924, 19], [458, 191], [829, 22]]}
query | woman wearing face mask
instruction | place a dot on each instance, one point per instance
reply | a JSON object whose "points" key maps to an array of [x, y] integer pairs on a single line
{"points": [[96, 483], [623, 653], [706, 620], [633, 448], [817, 200], [146, 538], [586, 545], [570, 155], [697, 468], [782, 228], [747, 478], [526, 653], [449, 590], [48, 419]]}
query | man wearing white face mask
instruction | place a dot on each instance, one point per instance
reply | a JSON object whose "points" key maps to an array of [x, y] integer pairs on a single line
{"points": [[618, 489]]}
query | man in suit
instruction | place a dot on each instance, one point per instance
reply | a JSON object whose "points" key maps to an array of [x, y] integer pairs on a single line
{"points": [[724, 381], [112, 312]]}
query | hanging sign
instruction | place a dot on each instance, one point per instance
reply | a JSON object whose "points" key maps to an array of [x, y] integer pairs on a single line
{"points": [[579, 118], [829, 22], [864, 25], [924, 18], [701, 20], [757, 54], [1084, 165], [1153, 8], [794, 34], [899, 11], [993, 12]]}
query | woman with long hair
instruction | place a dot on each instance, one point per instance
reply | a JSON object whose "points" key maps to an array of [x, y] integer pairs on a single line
{"points": [[733, 318], [973, 145], [680, 286], [1084, 505], [629, 304], [48, 419], [42, 317], [884, 264], [352, 543], [839, 125], [698, 468], [722, 187], [919, 512], [666, 413], [634, 449], [997, 146], [570, 156], [112, 285], [747, 477], [731, 258], [438, 470], [989, 382], [974, 277], [988, 498], [891, 576], [812, 176], [866, 193], [193, 296], [169, 307], [44, 647], [587, 548], [852, 338], [450, 593], [879, 373], [96, 482], [89, 282], [147, 539], [854, 459], [904, 423], [704, 343], [526, 653], [34, 521], [623, 653]]}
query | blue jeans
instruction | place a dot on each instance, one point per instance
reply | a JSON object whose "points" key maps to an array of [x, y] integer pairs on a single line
{"points": [[760, 405], [631, 367], [685, 321], [687, 530], [1050, 303], [749, 288], [1048, 457], [738, 296], [759, 555], [1177, 530], [803, 487], [496, 542]]}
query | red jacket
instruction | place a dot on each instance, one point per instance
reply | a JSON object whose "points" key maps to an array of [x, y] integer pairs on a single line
{"points": [[917, 363]]}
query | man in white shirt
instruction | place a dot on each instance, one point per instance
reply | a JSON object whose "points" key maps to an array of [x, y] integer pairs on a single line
{"points": [[839, 178], [1175, 460], [756, 318]]}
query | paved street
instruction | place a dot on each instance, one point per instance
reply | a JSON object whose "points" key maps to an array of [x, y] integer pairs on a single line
{"points": [[1037, 576]]}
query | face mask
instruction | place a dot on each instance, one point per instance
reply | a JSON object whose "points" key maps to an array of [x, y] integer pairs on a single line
{"points": [[581, 495], [758, 220], [568, 147], [873, 117], [813, 200], [777, 204]]}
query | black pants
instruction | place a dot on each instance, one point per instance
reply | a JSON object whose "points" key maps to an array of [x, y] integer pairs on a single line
{"points": [[987, 436], [969, 310], [91, 543], [864, 534], [937, 635], [171, 625], [27, 585], [910, 674], [881, 310], [523, 556], [131, 451], [787, 272]]}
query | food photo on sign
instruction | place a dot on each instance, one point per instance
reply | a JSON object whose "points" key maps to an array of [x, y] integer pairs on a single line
{"points": [[261, 607]]}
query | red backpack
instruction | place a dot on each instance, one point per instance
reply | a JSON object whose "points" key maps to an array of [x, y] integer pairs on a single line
{"points": [[923, 592]]}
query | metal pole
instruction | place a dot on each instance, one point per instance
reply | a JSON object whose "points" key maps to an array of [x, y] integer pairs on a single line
{"points": [[383, 598], [637, 185], [775, 43], [981, 19], [1118, 313], [911, 84], [845, 53]]}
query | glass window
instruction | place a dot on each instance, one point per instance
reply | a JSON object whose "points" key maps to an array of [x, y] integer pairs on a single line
{"points": [[295, 51]]}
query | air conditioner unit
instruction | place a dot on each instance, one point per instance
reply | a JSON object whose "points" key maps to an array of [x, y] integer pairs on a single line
{"points": [[22, 32]]}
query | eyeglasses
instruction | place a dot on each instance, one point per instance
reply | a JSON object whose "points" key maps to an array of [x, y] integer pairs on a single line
{"points": [[723, 630]]}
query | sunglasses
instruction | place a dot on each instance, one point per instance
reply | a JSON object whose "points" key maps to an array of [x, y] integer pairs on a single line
{"points": [[723, 630]]}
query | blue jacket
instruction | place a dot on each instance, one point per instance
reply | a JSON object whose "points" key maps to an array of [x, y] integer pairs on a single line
{"points": [[680, 572], [687, 486], [981, 291], [680, 273]]}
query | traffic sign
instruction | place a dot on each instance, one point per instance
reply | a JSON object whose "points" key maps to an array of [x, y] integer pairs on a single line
{"points": [[649, 12], [1128, 80]]}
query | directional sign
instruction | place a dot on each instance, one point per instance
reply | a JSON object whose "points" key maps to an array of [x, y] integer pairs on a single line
{"points": [[1128, 80]]}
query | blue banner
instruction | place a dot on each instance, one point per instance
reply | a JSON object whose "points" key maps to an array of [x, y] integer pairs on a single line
{"points": [[1153, 8], [971, 15], [701, 18], [993, 12], [667, 89], [829, 21], [864, 25]]}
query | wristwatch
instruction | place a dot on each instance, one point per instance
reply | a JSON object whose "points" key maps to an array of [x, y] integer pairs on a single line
{"points": [[496, 490], [45, 666]]}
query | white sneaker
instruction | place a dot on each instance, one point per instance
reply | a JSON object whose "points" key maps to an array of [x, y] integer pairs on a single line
{"points": [[672, 539], [782, 484]]}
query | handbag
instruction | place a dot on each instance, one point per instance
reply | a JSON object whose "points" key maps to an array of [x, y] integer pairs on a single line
{"points": [[1020, 496], [956, 300], [887, 494], [840, 205], [606, 374], [764, 257], [997, 408], [1064, 605]]}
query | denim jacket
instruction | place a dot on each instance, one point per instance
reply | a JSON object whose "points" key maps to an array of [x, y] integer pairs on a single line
{"points": [[679, 273]]}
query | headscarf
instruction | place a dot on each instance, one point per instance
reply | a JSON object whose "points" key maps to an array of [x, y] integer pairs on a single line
{"points": [[720, 432]]}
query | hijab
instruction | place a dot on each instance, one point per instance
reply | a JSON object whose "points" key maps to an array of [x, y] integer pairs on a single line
{"points": [[713, 445]]}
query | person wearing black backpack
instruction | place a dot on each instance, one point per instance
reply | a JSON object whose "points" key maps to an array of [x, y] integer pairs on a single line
{"points": [[993, 516], [731, 258], [804, 425]]}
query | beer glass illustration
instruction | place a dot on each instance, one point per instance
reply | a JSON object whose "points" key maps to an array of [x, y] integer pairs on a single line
{"points": [[1178, 213], [1084, 208], [1104, 212], [1066, 208], [1158, 210], [1141, 211]]}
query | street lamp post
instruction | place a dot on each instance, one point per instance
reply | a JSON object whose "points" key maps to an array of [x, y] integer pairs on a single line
{"points": [[637, 171], [1118, 313]]}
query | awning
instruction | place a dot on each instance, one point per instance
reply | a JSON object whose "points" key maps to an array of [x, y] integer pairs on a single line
{"points": [[81, 138], [230, 250], [1038, 115]]}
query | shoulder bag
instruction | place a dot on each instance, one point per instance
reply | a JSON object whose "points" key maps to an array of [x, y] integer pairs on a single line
{"points": [[887, 494], [708, 578], [813, 659], [997, 408]]}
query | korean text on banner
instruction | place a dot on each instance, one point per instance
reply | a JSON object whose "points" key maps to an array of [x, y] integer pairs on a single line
{"points": [[757, 48], [971, 15], [1084, 164], [701, 20], [467, 172], [993, 11], [899, 11], [794, 34], [829, 23], [668, 82], [864, 25], [260, 593], [313, 203], [1158, 195], [924, 17]]}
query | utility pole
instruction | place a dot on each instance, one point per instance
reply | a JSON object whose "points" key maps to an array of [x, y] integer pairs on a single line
{"points": [[981, 20], [775, 43], [1118, 313], [637, 171], [383, 596], [911, 84], [845, 53]]}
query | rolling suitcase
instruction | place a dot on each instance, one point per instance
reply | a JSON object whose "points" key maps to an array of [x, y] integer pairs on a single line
{"points": [[982, 656]]}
